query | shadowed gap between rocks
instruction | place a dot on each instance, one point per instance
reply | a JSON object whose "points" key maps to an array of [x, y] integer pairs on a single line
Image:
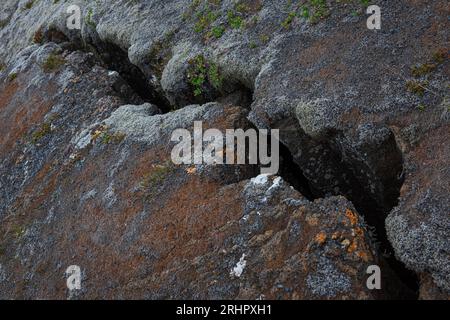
{"points": [[373, 206], [114, 58], [146, 86]]}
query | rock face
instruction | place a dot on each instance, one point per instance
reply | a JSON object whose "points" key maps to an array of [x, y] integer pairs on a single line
{"points": [[86, 175]]}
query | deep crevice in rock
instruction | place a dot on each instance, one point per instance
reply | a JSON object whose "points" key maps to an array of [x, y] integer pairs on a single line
{"points": [[373, 188], [116, 59], [292, 173]]}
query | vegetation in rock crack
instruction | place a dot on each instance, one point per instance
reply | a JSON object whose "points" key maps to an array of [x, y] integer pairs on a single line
{"points": [[53, 63], [12, 76], [44, 130], [202, 72], [152, 181]]}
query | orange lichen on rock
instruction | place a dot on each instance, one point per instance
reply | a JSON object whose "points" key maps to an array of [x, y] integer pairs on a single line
{"points": [[312, 220], [191, 170], [353, 246], [321, 237], [352, 217], [363, 256]]}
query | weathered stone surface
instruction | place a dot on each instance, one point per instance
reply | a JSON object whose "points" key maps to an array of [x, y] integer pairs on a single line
{"points": [[105, 196], [358, 111]]}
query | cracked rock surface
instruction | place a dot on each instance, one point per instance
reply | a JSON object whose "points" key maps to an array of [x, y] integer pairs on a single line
{"points": [[85, 171]]}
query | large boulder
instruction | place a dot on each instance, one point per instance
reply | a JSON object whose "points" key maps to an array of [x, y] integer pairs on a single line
{"points": [[362, 114]]}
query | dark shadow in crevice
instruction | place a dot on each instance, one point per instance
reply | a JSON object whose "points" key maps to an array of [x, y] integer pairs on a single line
{"points": [[386, 174], [113, 58], [116, 59], [292, 173], [373, 190]]}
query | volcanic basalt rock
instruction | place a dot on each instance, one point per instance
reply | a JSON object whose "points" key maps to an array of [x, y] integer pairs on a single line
{"points": [[86, 177]]}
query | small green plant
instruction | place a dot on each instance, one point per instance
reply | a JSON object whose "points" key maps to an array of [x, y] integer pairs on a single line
{"points": [[289, 19], [423, 69], [151, 182], [365, 2], [18, 231], [304, 12], [43, 131], [108, 137], [235, 21], [214, 76], [319, 8], [29, 4], [218, 31], [3, 23], [38, 36], [160, 53], [421, 107], [53, 63], [417, 87], [241, 7], [355, 13], [440, 55], [204, 20], [12, 77], [2, 67], [88, 18], [202, 72], [264, 38], [253, 45]]}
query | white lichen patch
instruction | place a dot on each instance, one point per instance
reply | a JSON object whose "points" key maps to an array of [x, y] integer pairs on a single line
{"points": [[83, 139], [262, 179], [239, 268], [276, 184]]}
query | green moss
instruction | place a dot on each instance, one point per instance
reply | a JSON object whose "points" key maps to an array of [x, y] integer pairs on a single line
{"points": [[29, 4], [53, 63], [234, 21], [440, 55], [43, 131], [204, 20], [421, 107], [88, 18], [319, 10], [218, 31], [12, 76], [289, 19], [417, 87], [264, 38], [108, 137], [18, 231], [38, 36], [214, 76], [151, 182], [304, 12], [242, 7], [423, 69], [202, 72], [365, 2], [3, 23]]}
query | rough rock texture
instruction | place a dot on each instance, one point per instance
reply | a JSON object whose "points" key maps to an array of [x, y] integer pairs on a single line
{"points": [[84, 149], [103, 194]]}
